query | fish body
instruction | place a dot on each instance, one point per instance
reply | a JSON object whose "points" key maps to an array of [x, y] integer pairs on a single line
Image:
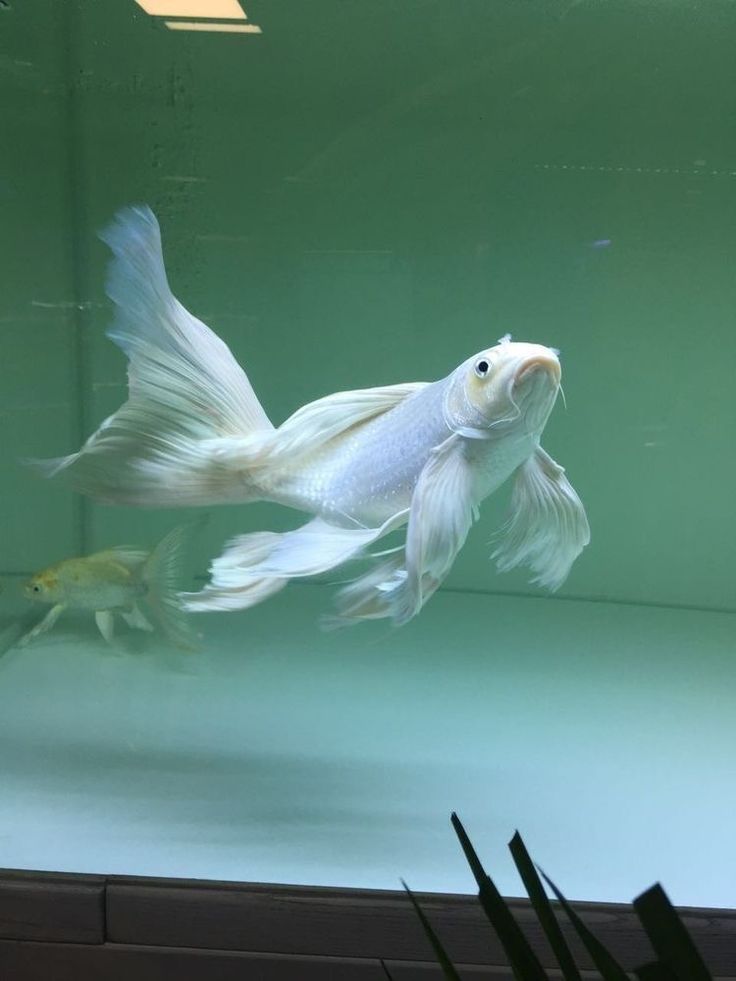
{"points": [[95, 582], [369, 473], [120, 581], [419, 455]]}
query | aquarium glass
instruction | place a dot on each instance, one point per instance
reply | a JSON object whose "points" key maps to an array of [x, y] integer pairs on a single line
{"points": [[354, 195]]}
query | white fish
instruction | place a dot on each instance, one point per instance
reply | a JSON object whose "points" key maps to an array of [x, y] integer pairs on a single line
{"points": [[363, 463]]}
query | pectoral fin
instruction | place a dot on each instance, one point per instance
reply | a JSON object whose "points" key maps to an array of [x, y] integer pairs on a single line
{"points": [[105, 621], [548, 528], [442, 511], [46, 624]]}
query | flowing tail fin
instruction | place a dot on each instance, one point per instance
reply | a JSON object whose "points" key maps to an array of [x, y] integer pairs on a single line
{"points": [[160, 573], [189, 402]]}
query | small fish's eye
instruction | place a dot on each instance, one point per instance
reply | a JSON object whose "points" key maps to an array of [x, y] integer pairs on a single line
{"points": [[482, 367], [36, 588]]}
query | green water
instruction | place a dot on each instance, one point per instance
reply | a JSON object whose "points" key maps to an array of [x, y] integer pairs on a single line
{"points": [[365, 194]]}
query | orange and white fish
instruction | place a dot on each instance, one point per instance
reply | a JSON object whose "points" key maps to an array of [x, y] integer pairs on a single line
{"points": [[124, 581], [362, 463]]}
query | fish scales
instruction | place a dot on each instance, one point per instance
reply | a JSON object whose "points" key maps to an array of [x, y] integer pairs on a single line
{"points": [[369, 473]]}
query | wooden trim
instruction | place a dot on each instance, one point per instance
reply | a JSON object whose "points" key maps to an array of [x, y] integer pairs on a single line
{"points": [[164, 922], [46, 906], [25, 961]]}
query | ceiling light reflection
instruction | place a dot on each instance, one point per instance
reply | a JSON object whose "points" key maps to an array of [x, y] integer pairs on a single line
{"points": [[226, 9], [198, 25]]}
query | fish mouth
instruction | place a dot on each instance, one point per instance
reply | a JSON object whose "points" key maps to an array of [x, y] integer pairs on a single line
{"points": [[536, 384], [539, 363]]}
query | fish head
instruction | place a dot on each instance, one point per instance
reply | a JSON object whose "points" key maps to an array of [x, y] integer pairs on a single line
{"points": [[43, 587], [511, 386]]}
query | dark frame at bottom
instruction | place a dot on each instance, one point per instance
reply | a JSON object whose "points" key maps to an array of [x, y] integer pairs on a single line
{"points": [[59, 927]]}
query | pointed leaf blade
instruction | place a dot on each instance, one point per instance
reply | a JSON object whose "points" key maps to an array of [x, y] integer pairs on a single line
{"points": [[543, 909], [605, 962], [672, 943], [448, 968], [524, 962]]}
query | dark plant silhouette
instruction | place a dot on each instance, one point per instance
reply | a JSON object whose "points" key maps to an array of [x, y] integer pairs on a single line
{"points": [[677, 956]]}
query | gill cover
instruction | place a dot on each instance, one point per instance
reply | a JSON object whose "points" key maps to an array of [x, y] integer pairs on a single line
{"points": [[484, 397]]}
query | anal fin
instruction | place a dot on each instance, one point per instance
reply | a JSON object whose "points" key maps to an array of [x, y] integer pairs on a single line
{"points": [[254, 567]]}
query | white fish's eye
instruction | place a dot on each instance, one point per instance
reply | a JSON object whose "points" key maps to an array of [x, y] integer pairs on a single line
{"points": [[482, 367], [36, 588]]}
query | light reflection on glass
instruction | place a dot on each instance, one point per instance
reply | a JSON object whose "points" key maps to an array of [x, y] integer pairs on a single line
{"points": [[227, 9], [198, 25]]}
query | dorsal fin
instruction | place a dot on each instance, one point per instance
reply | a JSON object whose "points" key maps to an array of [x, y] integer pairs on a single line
{"points": [[131, 558], [318, 422]]}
